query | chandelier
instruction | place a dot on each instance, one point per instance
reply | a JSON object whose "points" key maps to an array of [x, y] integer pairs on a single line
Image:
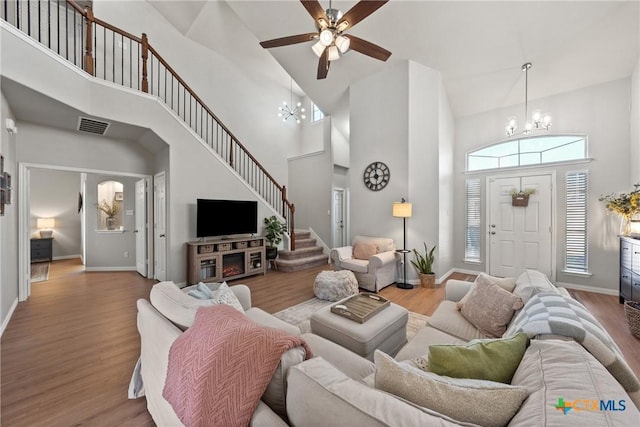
{"points": [[287, 112], [538, 121]]}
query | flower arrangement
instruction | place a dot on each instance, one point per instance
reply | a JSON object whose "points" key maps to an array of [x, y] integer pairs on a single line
{"points": [[624, 204], [526, 192], [110, 210]]}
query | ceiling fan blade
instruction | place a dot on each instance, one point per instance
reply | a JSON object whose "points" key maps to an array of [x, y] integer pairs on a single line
{"points": [[315, 10], [368, 48], [360, 11], [285, 41], [323, 65]]}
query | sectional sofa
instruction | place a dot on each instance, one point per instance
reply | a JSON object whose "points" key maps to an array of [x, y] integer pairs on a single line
{"points": [[338, 388]]}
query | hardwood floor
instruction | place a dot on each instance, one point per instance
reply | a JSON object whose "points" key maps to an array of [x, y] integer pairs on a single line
{"points": [[68, 352]]}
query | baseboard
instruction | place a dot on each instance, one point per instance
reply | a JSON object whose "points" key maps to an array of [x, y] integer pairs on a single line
{"points": [[613, 292], [5, 322], [110, 268], [57, 258], [465, 271]]}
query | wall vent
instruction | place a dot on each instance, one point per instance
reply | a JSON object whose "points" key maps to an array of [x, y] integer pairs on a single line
{"points": [[92, 126]]}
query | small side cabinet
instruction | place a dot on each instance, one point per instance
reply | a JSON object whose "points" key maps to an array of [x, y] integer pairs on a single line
{"points": [[42, 249], [629, 269]]}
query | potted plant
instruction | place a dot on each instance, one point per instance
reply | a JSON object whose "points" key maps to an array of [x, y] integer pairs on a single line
{"points": [[424, 265], [273, 231], [111, 210]]}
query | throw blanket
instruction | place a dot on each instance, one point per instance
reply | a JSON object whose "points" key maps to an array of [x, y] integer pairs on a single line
{"points": [[219, 368], [554, 314]]}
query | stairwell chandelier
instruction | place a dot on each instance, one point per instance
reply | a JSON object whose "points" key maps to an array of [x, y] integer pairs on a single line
{"points": [[286, 112], [538, 121]]}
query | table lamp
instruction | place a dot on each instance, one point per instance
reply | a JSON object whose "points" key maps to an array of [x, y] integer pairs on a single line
{"points": [[45, 225]]}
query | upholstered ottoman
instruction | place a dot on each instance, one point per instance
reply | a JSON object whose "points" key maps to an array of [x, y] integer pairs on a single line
{"points": [[335, 285], [386, 331]]}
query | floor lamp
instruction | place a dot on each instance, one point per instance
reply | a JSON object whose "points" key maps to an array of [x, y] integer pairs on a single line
{"points": [[403, 210]]}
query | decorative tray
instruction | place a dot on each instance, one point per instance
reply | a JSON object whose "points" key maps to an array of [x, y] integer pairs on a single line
{"points": [[361, 307]]}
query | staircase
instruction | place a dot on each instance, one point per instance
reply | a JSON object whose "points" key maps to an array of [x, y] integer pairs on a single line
{"points": [[98, 48], [306, 255]]}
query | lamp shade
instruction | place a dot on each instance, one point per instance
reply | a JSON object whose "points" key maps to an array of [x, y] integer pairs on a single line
{"points": [[45, 222], [402, 209]]}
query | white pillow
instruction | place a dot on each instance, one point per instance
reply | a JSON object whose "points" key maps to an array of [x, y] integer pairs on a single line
{"points": [[481, 402], [224, 295]]}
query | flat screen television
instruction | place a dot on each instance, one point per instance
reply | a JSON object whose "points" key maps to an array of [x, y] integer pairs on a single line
{"points": [[226, 217]]}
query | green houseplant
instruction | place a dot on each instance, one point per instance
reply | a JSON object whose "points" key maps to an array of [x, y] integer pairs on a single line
{"points": [[424, 264], [273, 231]]}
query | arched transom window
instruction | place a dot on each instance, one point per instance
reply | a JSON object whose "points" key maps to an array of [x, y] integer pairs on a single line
{"points": [[533, 150]]}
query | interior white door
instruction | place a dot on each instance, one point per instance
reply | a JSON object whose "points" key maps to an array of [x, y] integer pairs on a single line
{"points": [[338, 218], [520, 237], [160, 226], [141, 226]]}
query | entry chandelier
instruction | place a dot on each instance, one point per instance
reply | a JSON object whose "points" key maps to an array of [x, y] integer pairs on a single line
{"points": [[287, 112], [538, 121]]}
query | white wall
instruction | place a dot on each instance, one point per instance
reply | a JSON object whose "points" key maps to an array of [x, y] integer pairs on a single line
{"points": [[246, 106], [310, 186], [396, 119], [602, 113], [635, 125], [445, 250], [54, 194], [8, 222]]}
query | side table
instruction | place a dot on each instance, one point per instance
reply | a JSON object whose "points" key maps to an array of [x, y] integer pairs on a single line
{"points": [[42, 249]]}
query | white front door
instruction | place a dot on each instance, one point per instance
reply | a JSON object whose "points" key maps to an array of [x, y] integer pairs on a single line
{"points": [[338, 218], [141, 226], [520, 237], [160, 226]]}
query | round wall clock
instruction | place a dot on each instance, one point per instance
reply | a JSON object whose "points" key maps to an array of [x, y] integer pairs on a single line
{"points": [[376, 176]]}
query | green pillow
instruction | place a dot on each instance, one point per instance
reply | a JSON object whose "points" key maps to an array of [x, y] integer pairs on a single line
{"points": [[483, 359]]}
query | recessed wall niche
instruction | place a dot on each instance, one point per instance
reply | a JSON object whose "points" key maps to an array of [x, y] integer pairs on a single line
{"points": [[110, 205]]}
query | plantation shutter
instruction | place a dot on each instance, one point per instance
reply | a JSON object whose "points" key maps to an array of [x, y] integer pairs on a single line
{"points": [[472, 220], [576, 223]]}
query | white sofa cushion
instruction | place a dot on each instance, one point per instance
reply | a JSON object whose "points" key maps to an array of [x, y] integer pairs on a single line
{"points": [[357, 265], [176, 305], [553, 369], [532, 282], [449, 319]]}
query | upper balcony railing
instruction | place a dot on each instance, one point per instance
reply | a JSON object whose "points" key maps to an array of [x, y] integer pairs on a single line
{"points": [[114, 55]]}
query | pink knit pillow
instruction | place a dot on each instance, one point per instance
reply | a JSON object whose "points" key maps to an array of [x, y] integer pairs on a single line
{"points": [[364, 251]]}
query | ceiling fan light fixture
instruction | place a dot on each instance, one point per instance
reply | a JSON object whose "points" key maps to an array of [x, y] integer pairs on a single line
{"points": [[322, 24], [318, 48], [326, 37], [334, 53], [343, 43], [342, 26]]}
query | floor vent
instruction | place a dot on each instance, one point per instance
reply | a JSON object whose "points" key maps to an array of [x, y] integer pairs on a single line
{"points": [[92, 126]]}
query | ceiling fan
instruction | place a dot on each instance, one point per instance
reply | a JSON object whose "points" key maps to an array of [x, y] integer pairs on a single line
{"points": [[331, 40]]}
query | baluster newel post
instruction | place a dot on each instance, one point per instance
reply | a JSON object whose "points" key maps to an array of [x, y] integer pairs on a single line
{"points": [[284, 200], [88, 47], [293, 226], [231, 152], [145, 57]]}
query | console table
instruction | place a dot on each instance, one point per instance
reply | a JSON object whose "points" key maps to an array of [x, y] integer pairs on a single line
{"points": [[217, 260], [41, 249]]}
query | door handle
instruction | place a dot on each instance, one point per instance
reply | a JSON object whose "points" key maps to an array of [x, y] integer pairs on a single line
{"points": [[493, 226], [162, 235], [135, 231], [492, 232]]}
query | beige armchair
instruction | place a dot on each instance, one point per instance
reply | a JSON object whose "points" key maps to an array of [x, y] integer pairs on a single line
{"points": [[373, 260]]}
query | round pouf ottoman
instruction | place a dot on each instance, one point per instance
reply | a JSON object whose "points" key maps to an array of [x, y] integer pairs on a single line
{"points": [[335, 285]]}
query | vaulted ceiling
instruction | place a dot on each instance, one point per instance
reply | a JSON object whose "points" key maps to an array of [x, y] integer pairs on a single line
{"points": [[478, 46]]}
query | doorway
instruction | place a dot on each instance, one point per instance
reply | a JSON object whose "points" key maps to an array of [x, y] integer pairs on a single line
{"points": [[521, 237], [339, 217], [81, 207]]}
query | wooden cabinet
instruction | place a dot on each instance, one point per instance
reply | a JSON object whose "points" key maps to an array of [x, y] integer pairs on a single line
{"points": [[42, 249], [215, 261], [629, 269]]}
